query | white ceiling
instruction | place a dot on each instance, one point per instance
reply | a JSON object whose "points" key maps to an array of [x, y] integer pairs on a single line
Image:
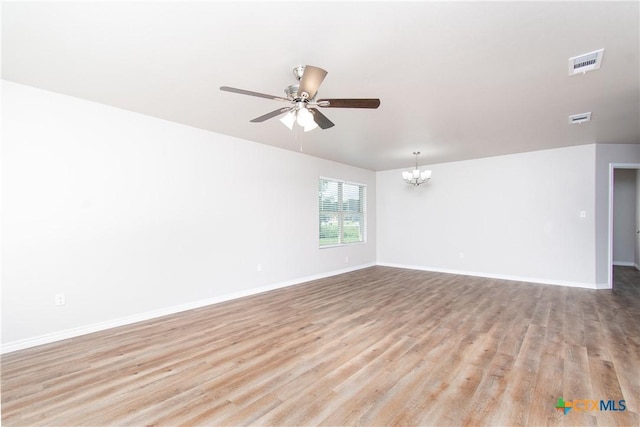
{"points": [[456, 80]]}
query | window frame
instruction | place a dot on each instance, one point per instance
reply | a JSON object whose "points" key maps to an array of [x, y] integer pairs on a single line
{"points": [[341, 212]]}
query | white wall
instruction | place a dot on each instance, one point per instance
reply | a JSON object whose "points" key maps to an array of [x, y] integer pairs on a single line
{"points": [[624, 217], [514, 216], [605, 155], [131, 216]]}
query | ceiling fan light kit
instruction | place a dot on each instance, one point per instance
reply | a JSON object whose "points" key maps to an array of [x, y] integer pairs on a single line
{"points": [[416, 177], [300, 115], [301, 96], [288, 119]]}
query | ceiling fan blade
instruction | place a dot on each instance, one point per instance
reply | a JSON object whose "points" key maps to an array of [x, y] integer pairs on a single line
{"points": [[250, 93], [312, 77], [321, 119], [349, 103], [270, 115]]}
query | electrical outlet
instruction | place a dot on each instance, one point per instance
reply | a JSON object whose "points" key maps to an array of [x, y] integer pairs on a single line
{"points": [[461, 255], [60, 300], [346, 260], [259, 268]]}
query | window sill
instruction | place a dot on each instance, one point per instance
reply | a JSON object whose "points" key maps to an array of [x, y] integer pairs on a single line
{"points": [[339, 245]]}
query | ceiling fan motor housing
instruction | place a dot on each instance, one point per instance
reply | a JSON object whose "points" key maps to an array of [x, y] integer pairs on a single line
{"points": [[292, 91]]}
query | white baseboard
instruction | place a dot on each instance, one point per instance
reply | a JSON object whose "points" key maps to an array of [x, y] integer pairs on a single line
{"points": [[494, 276], [625, 263], [101, 326]]}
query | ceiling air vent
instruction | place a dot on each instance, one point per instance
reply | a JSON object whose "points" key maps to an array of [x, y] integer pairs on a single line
{"points": [[580, 118], [587, 62]]}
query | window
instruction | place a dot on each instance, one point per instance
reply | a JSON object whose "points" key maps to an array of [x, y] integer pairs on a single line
{"points": [[342, 212]]}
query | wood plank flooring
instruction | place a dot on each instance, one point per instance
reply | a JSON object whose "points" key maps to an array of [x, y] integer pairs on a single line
{"points": [[379, 346]]}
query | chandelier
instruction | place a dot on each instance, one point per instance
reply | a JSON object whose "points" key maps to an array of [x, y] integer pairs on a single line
{"points": [[416, 176]]}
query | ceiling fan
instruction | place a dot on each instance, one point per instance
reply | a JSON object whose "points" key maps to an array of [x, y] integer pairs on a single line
{"points": [[301, 97]]}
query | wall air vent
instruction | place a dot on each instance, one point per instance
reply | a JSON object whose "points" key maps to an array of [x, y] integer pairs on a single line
{"points": [[576, 119], [587, 62]]}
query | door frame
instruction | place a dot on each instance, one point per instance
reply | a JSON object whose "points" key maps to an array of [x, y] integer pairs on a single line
{"points": [[612, 168]]}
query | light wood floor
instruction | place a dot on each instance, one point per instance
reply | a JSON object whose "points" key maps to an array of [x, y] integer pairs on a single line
{"points": [[379, 346]]}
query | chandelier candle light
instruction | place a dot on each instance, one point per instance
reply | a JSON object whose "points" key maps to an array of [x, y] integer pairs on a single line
{"points": [[416, 176]]}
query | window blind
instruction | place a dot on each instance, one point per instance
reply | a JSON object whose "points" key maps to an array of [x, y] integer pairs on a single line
{"points": [[341, 212]]}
